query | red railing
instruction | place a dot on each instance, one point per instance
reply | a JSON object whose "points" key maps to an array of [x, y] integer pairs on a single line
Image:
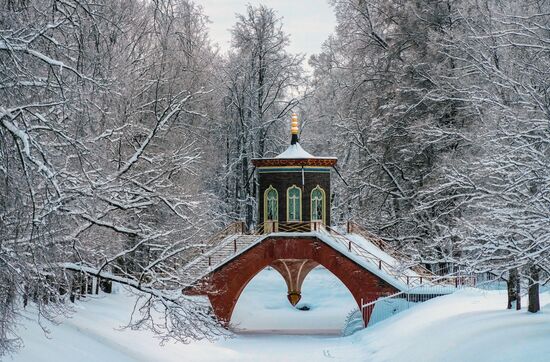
{"points": [[392, 270], [355, 228], [236, 227]]}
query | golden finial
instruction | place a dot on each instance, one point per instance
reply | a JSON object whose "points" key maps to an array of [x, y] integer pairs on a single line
{"points": [[294, 124]]}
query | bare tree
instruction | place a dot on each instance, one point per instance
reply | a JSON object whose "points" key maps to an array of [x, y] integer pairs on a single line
{"points": [[445, 106], [99, 106], [261, 85]]}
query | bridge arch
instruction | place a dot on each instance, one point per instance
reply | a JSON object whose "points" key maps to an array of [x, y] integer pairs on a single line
{"points": [[224, 285], [264, 306]]}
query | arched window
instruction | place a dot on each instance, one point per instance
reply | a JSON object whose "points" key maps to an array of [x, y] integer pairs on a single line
{"points": [[318, 204], [293, 204], [271, 204]]}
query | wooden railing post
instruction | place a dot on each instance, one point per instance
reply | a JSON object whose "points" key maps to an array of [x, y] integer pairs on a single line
{"points": [[363, 312]]}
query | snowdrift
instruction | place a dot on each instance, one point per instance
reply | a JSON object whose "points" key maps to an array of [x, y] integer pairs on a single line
{"points": [[468, 325]]}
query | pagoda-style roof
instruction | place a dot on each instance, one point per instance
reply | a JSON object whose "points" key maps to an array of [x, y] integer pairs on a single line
{"points": [[295, 151], [295, 155]]}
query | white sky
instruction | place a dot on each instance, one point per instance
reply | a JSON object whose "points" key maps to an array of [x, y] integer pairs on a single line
{"points": [[308, 22]]}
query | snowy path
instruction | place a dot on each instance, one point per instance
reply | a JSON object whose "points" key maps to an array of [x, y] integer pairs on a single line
{"points": [[469, 325]]}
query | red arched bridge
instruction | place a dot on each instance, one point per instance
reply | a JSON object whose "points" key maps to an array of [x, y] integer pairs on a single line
{"points": [[366, 265]]}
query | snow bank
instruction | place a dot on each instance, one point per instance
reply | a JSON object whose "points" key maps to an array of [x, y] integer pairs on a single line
{"points": [[468, 325]]}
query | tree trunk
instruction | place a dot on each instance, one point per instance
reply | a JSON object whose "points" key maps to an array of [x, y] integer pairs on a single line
{"points": [[534, 302], [512, 284], [518, 293], [26, 296], [106, 285]]}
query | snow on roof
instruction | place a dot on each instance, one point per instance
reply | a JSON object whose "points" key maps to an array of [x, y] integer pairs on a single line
{"points": [[295, 151], [295, 155]]}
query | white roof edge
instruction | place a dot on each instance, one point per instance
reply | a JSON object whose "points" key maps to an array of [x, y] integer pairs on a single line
{"points": [[295, 151]]}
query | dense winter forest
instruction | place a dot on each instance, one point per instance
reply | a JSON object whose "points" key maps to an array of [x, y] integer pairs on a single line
{"points": [[126, 137]]}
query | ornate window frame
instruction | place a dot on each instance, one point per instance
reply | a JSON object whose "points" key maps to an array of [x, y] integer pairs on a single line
{"points": [[266, 195], [299, 200], [323, 200]]}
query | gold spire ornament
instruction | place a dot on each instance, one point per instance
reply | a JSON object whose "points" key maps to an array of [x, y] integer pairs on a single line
{"points": [[294, 129], [294, 124]]}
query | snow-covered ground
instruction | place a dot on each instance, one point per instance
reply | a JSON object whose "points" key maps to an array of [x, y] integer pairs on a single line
{"points": [[468, 325], [263, 305]]}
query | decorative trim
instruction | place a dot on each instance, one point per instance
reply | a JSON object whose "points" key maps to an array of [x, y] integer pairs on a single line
{"points": [[323, 162], [298, 167], [264, 170]]}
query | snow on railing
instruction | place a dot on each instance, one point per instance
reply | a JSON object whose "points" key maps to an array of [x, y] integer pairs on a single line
{"points": [[354, 228], [236, 227], [420, 276], [220, 253], [226, 244]]}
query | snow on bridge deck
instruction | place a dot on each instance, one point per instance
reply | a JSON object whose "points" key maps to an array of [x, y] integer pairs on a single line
{"points": [[373, 259]]}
